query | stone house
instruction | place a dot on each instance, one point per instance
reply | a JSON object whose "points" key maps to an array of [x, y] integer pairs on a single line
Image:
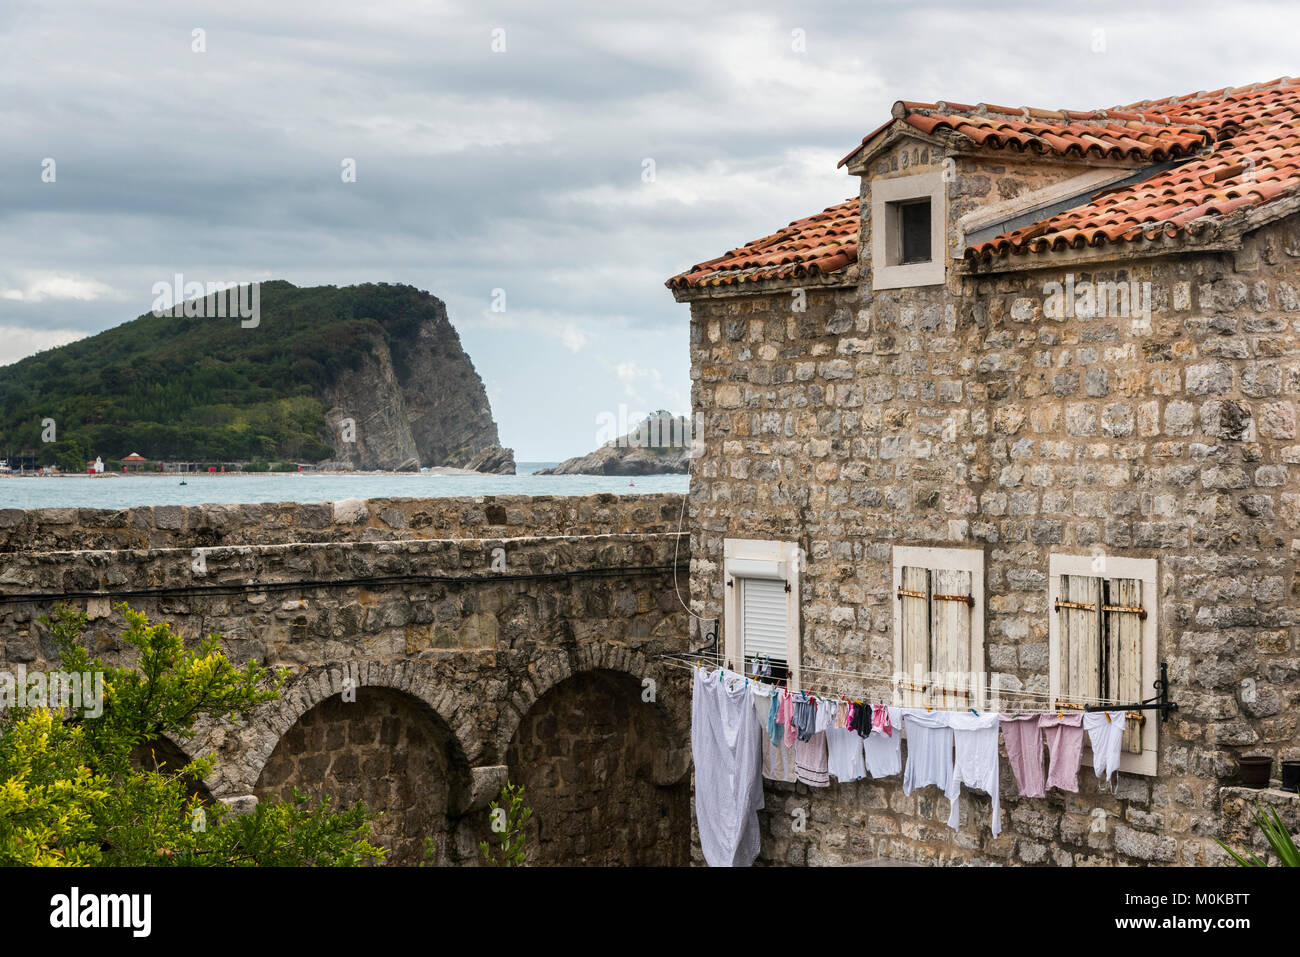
{"points": [[1019, 420]]}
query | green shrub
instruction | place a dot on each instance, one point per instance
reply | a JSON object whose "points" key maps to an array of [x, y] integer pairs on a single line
{"points": [[72, 791]]}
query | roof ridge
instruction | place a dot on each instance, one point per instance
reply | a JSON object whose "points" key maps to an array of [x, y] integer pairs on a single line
{"points": [[1204, 94]]}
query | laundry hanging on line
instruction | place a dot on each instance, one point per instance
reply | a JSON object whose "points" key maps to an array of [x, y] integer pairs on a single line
{"points": [[799, 736]]}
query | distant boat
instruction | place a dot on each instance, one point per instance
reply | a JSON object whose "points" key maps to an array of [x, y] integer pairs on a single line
{"points": [[183, 482]]}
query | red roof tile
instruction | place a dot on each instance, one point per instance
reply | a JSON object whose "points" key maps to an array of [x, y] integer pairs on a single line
{"points": [[818, 245], [1245, 145], [1123, 134], [1254, 159]]}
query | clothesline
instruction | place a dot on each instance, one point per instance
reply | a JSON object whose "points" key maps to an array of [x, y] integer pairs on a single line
{"points": [[1057, 703], [738, 739]]}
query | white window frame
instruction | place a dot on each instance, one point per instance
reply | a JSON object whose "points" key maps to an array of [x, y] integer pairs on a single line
{"points": [[945, 559], [885, 194], [1145, 570], [754, 558]]}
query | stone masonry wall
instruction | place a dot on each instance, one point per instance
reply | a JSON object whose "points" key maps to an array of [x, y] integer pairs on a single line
{"points": [[446, 636], [586, 754], [350, 520], [964, 416], [381, 749]]}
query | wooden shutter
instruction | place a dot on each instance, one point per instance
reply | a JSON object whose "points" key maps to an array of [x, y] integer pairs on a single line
{"points": [[763, 618], [1124, 651], [915, 618], [1079, 649], [950, 635]]}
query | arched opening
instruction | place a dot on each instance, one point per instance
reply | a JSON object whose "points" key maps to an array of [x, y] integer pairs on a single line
{"points": [[385, 748], [585, 753], [165, 757]]}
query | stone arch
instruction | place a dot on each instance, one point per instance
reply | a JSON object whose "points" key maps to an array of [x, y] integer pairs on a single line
{"points": [[604, 770], [672, 704], [166, 754], [387, 748], [245, 749]]}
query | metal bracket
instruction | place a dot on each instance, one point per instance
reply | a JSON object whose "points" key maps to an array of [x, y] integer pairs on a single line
{"points": [[712, 636], [1086, 606], [967, 600], [1159, 703]]}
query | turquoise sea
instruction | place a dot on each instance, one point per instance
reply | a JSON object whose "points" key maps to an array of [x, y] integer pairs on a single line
{"points": [[124, 491]]}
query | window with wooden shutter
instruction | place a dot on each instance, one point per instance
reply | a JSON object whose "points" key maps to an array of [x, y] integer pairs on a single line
{"points": [[939, 636], [1103, 639], [1100, 651]]}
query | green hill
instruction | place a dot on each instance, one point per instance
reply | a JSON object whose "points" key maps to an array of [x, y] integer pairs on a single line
{"points": [[208, 389]]}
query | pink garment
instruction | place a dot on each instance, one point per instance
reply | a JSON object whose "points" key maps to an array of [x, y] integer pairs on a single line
{"points": [[1024, 741], [1064, 734], [880, 720], [785, 716]]}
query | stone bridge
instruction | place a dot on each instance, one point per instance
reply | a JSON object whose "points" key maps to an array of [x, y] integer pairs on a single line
{"points": [[438, 647]]}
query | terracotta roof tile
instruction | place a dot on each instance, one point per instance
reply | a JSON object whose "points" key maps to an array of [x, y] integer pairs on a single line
{"points": [[1253, 158], [1239, 148], [817, 245], [1122, 134]]}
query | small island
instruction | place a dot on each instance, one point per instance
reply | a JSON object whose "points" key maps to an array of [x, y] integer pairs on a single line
{"points": [[660, 445]]}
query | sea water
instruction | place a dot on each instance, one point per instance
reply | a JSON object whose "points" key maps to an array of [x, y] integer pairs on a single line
{"points": [[125, 491]]}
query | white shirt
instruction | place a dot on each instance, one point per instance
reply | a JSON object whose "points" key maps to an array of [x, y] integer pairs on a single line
{"points": [[726, 746], [825, 715], [975, 765], [845, 760], [884, 752], [1107, 739], [929, 750]]}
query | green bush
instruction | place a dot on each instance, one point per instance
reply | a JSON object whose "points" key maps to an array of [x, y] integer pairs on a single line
{"points": [[1278, 837], [72, 791]]}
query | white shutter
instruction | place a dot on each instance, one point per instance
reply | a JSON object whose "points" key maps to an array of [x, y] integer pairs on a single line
{"points": [[914, 623], [1124, 651], [1079, 658], [763, 618], [950, 635]]}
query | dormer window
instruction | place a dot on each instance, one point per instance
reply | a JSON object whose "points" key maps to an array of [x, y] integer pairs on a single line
{"points": [[907, 231]]}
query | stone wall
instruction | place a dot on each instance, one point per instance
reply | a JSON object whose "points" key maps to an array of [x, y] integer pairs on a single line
{"points": [[587, 754], [965, 416], [352, 520], [379, 748], [446, 636]]}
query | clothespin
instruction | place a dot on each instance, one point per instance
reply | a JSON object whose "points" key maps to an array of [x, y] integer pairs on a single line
{"points": [[1107, 714], [974, 712]]}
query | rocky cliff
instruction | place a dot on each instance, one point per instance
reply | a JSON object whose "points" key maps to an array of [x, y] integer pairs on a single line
{"points": [[369, 377], [659, 445], [416, 400]]}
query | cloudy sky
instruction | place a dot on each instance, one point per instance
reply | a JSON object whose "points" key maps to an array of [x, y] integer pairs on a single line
{"points": [[524, 168]]}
